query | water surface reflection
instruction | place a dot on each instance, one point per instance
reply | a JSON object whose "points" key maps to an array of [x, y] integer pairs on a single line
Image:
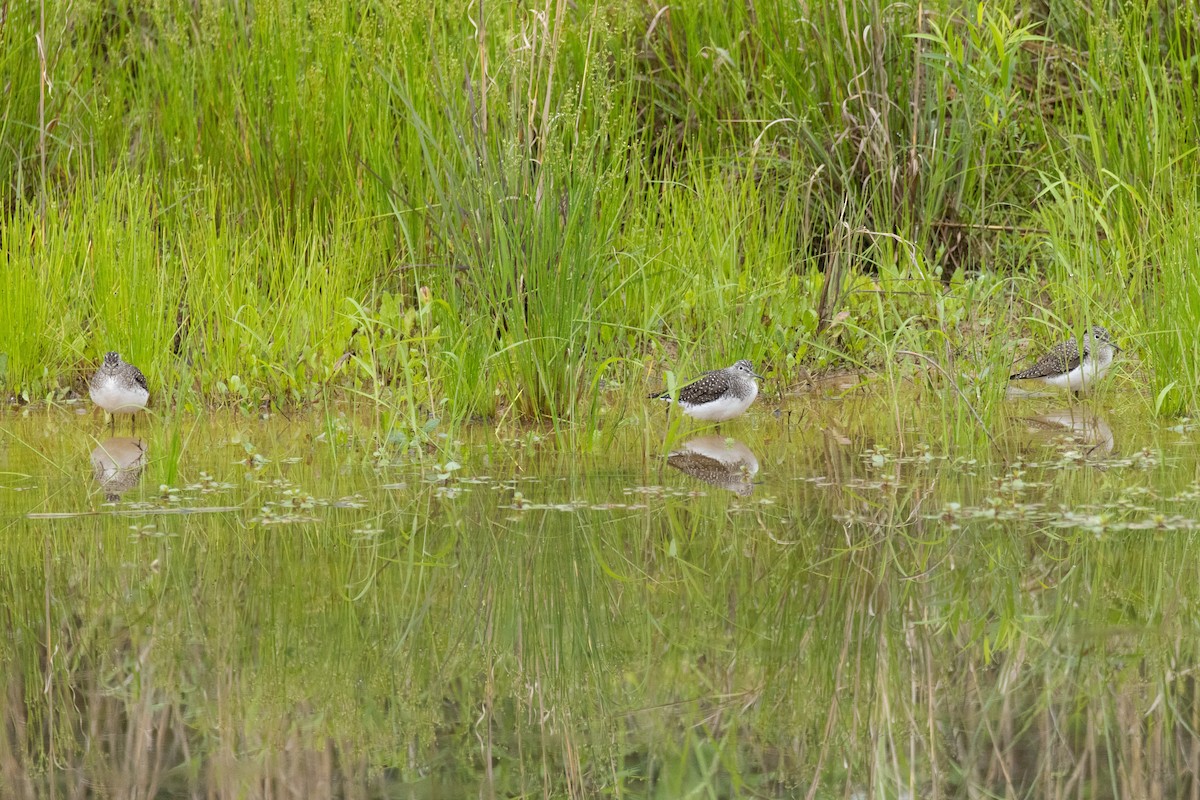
{"points": [[117, 465], [888, 609], [1088, 429], [718, 461]]}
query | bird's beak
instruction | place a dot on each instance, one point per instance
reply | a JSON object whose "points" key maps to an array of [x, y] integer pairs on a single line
{"points": [[755, 374], [1118, 349]]}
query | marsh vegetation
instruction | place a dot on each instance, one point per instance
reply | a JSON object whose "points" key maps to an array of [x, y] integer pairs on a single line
{"points": [[401, 521], [498, 210]]}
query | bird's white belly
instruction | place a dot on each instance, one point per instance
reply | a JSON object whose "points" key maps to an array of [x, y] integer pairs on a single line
{"points": [[117, 399], [1081, 378], [723, 408]]}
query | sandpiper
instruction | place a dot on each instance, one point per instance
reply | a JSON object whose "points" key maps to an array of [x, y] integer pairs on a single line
{"points": [[719, 395], [1067, 366], [119, 387]]}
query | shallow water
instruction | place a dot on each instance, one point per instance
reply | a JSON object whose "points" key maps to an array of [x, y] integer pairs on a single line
{"points": [[850, 597]]}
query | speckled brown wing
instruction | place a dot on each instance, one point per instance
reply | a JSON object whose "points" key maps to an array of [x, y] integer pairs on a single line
{"points": [[138, 377], [708, 387], [1061, 359]]}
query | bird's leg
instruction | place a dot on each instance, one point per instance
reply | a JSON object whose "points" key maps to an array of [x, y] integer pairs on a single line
{"points": [[132, 424]]}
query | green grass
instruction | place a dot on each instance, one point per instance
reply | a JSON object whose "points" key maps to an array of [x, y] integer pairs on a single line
{"points": [[451, 216]]}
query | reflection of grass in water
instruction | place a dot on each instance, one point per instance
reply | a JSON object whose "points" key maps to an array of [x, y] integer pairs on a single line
{"points": [[854, 626]]}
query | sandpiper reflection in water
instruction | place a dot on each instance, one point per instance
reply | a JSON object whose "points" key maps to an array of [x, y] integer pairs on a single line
{"points": [[117, 464], [1088, 430], [721, 462]]}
